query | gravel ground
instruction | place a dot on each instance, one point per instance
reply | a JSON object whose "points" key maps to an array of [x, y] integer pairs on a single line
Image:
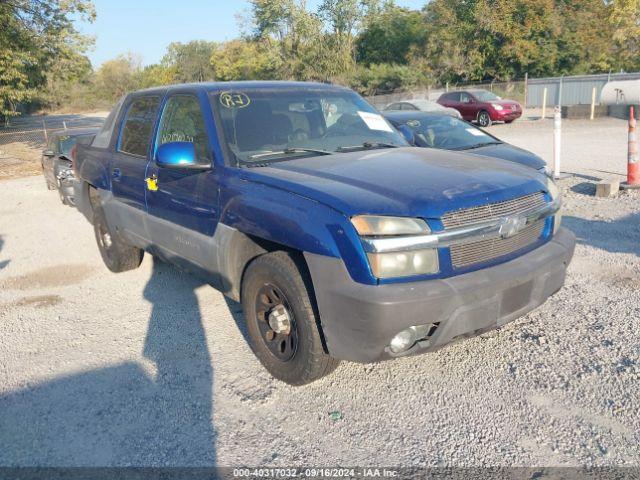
{"points": [[149, 367]]}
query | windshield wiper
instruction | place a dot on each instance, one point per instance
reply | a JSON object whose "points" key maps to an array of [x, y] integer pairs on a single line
{"points": [[289, 151], [366, 146], [479, 145]]}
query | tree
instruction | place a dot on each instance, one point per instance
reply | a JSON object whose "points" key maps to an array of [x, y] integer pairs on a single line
{"points": [[389, 36], [245, 60], [624, 18], [116, 77], [36, 35], [190, 61]]}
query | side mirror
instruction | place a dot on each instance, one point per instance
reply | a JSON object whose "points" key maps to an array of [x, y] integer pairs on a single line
{"points": [[179, 155], [49, 153], [407, 133]]}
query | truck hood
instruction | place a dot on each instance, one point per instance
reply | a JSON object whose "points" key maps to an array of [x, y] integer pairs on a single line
{"points": [[509, 152], [408, 181]]}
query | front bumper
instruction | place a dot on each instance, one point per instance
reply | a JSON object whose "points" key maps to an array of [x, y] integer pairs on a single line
{"points": [[358, 321], [67, 189], [505, 115]]}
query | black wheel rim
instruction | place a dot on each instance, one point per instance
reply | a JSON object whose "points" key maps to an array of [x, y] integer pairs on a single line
{"points": [[282, 344]]}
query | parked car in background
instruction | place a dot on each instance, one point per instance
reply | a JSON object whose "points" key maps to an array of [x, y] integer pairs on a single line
{"points": [[481, 106], [303, 203], [57, 160], [433, 130], [421, 105]]}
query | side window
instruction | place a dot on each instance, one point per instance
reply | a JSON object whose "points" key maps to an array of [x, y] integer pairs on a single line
{"points": [[393, 106], [465, 98], [182, 122], [137, 126], [103, 137], [454, 97], [408, 106]]}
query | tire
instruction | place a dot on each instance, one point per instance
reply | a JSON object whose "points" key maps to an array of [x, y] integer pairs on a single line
{"points": [[508, 121], [116, 254], [484, 119], [273, 282]]}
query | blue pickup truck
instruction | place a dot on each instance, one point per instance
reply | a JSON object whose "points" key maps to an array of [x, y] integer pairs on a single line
{"points": [[303, 203]]}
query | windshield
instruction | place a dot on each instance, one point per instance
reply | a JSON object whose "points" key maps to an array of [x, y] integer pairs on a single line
{"points": [[272, 125], [485, 96], [447, 133], [66, 144]]}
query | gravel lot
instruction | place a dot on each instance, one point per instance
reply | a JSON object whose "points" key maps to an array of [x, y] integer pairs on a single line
{"points": [[150, 367]]}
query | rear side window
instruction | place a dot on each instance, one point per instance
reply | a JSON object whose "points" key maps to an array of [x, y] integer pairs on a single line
{"points": [[103, 137], [454, 97], [137, 126]]}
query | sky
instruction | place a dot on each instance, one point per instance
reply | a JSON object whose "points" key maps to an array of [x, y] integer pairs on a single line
{"points": [[146, 27]]}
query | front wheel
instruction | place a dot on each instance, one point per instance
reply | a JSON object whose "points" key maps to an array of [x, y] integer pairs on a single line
{"points": [[484, 119], [117, 255], [282, 324]]}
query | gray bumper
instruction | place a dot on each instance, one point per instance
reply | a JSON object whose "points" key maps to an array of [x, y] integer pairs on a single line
{"points": [[358, 321]]}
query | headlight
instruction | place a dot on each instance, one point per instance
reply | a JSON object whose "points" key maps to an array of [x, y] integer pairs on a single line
{"points": [[497, 107], [374, 225], [404, 264], [401, 263]]}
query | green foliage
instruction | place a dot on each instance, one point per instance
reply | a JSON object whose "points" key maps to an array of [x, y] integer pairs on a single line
{"points": [[190, 62], [390, 35], [373, 46], [385, 78], [38, 37], [248, 60]]}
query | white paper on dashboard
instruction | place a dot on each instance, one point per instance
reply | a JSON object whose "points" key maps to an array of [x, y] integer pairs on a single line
{"points": [[475, 132], [375, 121]]}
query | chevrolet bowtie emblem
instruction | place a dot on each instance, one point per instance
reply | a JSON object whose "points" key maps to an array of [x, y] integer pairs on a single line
{"points": [[511, 226]]}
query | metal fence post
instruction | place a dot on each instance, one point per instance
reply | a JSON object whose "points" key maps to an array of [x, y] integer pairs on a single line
{"points": [[544, 103], [44, 128], [593, 103], [526, 82]]}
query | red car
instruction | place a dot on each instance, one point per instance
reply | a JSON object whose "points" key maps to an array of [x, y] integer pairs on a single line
{"points": [[481, 106]]}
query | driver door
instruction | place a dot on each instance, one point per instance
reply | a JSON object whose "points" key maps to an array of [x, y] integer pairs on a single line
{"points": [[183, 204]]}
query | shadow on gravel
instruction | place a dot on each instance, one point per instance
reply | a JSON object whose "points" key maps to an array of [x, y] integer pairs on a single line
{"points": [[124, 414], [3, 263], [617, 236]]}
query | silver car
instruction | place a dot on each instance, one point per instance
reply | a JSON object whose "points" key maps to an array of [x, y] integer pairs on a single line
{"points": [[422, 105]]}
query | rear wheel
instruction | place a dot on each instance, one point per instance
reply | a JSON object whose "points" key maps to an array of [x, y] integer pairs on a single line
{"points": [[116, 253], [282, 324], [484, 119]]}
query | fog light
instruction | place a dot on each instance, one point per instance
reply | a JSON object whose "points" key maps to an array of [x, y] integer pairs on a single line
{"points": [[403, 341]]}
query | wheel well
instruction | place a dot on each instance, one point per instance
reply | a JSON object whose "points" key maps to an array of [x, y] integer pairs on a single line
{"points": [[267, 246]]}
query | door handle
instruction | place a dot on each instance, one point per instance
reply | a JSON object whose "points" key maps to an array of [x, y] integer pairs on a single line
{"points": [[116, 173], [152, 183]]}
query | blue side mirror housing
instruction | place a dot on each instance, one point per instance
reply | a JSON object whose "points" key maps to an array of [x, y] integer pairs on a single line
{"points": [[407, 133], [179, 155]]}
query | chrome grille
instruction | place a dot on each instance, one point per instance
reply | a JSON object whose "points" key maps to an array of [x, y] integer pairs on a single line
{"points": [[492, 248], [493, 211]]}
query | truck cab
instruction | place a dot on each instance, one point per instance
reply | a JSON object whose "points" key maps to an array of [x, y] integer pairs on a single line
{"points": [[340, 240]]}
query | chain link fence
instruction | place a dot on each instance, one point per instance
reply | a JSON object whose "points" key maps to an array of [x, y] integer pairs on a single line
{"points": [[22, 140]]}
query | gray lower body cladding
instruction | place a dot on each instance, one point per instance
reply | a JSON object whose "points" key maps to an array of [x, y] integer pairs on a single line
{"points": [[358, 321]]}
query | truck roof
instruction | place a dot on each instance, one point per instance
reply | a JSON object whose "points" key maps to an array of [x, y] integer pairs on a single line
{"points": [[243, 85]]}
